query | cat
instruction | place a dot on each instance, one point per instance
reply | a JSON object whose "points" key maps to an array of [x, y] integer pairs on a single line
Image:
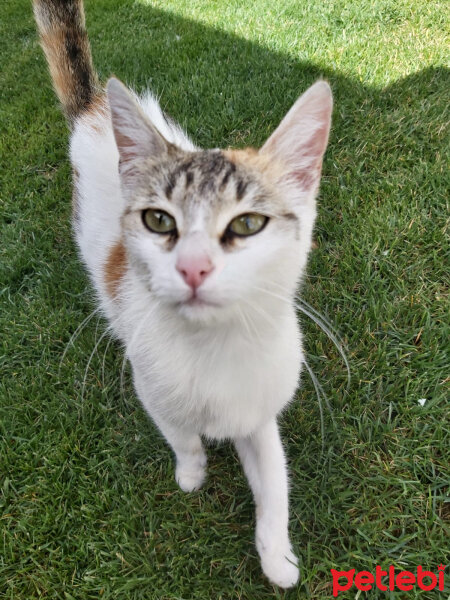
{"points": [[195, 256]]}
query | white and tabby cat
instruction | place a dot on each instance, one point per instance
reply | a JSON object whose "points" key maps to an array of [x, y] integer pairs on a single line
{"points": [[196, 256]]}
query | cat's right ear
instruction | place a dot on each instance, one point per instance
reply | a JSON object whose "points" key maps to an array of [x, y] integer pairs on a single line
{"points": [[135, 135]]}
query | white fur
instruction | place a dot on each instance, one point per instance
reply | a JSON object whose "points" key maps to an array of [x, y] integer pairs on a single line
{"points": [[221, 377]]}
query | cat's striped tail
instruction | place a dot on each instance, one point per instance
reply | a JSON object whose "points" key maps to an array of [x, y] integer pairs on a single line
{"points": [[61, 26]]}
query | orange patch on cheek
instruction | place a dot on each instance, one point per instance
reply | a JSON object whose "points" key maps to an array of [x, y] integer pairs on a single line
{"points": [[115, 268]]}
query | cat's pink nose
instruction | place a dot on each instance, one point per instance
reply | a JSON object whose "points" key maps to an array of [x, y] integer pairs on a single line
{"points": [[194, 269]]}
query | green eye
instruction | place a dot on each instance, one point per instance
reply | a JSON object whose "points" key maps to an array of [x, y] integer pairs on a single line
{"points": [[247, 224], [159, 221]]}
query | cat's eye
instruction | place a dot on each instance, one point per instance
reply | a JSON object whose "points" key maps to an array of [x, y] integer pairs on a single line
{"points": [[159, 221], [247, 224]]}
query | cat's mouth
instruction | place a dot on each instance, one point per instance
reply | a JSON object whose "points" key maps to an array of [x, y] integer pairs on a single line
{"points": [[197, 301], [197, 307]]}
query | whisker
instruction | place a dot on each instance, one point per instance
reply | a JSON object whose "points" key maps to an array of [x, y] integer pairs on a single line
{"points": [[331, 336], [318, 389], [144, 322], [75, 334], [111, 338], [325, 397], [254, 328], [122, 375], [83, 387], [263, 313], [314, 316], [319, 315], [244, 320]]}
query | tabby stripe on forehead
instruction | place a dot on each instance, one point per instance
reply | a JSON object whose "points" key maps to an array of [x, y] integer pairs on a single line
{"points": [[231, 170], [169, 187], [185, 166], [214, 166], [241, 187], [189, 178]]}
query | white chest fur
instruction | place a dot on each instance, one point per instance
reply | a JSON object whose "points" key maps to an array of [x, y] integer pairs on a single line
{"points": [[219, 379]]}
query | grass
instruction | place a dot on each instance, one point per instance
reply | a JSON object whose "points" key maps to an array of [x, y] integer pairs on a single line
{"points": [[88, 504]]}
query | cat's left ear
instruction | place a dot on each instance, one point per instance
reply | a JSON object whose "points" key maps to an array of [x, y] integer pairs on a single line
{"points": [[299, 142], [135, 135]]}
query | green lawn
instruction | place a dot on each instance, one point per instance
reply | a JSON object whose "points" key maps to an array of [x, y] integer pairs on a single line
{"points": [[88, 505]]}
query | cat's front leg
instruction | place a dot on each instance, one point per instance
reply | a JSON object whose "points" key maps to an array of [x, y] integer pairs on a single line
{"points": [[190, 470], [264, 464]]}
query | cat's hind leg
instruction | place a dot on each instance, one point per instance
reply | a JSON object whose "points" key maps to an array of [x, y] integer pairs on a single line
{"points": [[264, 464]]}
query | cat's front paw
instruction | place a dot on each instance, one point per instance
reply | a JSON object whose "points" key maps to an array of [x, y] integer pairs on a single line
{"points": [[280, 569], [190, 475], [278, 561]]}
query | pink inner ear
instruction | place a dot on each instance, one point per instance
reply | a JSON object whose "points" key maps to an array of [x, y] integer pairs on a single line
{"points": [[305, 178], [301, 138], [134, 133], [126, 146]]}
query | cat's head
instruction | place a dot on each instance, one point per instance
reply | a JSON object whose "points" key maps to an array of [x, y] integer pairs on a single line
{"points": [[215, 231]]}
